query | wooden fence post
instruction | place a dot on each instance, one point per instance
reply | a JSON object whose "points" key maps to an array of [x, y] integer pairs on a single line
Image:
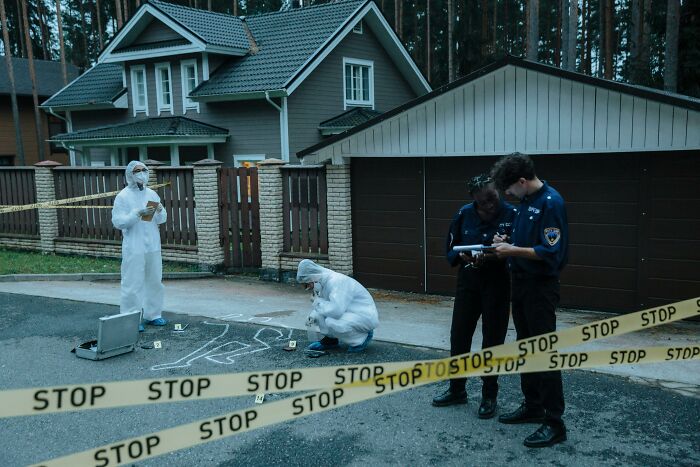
{"points": [[46, 191], [206, 214], [271, 231]]}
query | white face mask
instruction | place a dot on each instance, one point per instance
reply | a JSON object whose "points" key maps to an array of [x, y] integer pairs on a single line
{"points": [[141, 177]]}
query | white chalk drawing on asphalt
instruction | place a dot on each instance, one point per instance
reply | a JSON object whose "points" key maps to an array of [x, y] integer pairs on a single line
{"points": [[224, 351]]}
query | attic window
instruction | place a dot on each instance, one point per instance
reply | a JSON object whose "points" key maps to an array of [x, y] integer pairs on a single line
{"points": [[164, 88], [139, 91], [189, 80], [358, 28], [358, 77]]}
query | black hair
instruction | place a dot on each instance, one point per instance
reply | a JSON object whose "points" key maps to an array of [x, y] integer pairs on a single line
{"points": [[509, 169], [478, 183]]}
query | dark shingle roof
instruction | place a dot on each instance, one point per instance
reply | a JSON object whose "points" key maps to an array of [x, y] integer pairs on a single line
{"points": [[149, 127], [101, 84], [213, 28], [349, 119], [286, 40], [49, 78]]}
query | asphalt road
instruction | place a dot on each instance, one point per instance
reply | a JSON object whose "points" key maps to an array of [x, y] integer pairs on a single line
{"points": [[611, 421]]}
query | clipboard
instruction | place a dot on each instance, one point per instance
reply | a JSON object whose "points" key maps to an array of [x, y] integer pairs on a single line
{"points": [[148, 205], [473, 248]]}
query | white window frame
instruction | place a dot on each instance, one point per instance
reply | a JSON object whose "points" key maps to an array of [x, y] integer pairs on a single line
{"points": [[133, 71], [162, 107], [357, 29], [359, 103], [238, 158], [187, 103]]}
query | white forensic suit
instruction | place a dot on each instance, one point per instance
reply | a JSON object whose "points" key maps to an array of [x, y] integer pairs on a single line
{"points": [[342, 307], [142, 265]]}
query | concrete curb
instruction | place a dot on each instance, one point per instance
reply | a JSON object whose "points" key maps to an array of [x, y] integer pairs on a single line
{"points": [[97, 276]]}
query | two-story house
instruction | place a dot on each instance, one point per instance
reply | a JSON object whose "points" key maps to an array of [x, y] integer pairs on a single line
{"points": [[178, 84]]}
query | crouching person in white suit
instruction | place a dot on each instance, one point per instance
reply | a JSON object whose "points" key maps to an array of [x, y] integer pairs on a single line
{"points": [[342, 308], [142, 265]]}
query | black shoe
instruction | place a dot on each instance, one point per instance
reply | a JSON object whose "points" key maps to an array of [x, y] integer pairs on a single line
{"points": [[450, 397], [523, 415], [487, 409], [546, 435]]}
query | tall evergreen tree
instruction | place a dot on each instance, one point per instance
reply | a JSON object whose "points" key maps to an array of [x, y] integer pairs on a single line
{"points": [[11, 74]]}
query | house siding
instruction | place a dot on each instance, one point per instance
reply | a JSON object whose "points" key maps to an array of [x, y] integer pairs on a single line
{"points": [[155, 32], [253, 125], [320, 96]]}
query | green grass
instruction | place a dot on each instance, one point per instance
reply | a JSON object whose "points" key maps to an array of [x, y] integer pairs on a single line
{"points": [[26, 262]]}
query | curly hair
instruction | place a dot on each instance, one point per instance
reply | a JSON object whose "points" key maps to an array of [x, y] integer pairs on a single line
{"points": [[509, 169], [478, 183]]}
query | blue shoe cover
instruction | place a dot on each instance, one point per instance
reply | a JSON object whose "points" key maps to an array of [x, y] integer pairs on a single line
{"points": [[363, 346], [318, 345], [157, 322], [141, 328]]}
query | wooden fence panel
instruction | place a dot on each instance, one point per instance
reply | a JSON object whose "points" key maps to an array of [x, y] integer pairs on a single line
{"points": [[178, 200], [305, 212], [17, 187], [239, 213]]}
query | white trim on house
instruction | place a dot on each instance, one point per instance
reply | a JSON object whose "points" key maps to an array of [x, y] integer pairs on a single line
{"points": [[121, 102], [152, 53], [284, 130], [137, 108], [161, 103], [372, 17], [187, 103], [369, 64], [205, 66]]}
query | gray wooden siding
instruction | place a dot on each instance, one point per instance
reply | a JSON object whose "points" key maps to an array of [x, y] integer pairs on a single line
{"points": [[515, 109], [155, 32], [320, 96]]}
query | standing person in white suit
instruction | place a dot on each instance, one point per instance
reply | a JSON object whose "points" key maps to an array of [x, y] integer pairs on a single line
{"points": [[342, 308], [142, 265]]}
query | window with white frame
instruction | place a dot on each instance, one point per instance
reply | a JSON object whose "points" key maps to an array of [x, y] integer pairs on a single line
{"points": [[247, 160], [190, 80], [358, 77], [164, 88], [139, 92], [358, 28]]}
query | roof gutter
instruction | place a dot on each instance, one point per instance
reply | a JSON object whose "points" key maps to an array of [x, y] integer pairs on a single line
{"points": [[267, 98]]}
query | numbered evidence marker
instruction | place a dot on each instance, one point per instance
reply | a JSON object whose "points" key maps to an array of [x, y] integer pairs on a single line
{"points": [[157, 344], [291, 346], [259, 398], [178, 327]]}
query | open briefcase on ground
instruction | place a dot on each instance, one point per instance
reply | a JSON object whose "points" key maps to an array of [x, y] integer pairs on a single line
{"points": [[116, 334]]}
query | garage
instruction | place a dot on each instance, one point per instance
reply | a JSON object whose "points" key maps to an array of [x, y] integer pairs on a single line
{"points": [[625, 159]]}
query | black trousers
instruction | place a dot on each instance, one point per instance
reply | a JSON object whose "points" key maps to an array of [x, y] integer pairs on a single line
{"points": [[485, 293], [535, 300]]}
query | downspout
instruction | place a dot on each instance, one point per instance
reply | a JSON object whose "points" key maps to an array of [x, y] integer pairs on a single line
{"points": [[272, 103], [284, 133], [69, 127]]}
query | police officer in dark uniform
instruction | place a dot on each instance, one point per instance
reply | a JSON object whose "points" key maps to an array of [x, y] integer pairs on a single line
{"points": [[537, 253], [483, 285]]}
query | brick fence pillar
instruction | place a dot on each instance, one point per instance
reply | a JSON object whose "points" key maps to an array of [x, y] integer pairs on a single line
{"points": [[46, 191], [206, 213], [271, 232], [339, 218], [152, 169]]}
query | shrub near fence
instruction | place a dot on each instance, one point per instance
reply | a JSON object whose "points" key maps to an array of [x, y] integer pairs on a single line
{"points": [[304, 207], [16, 188]]}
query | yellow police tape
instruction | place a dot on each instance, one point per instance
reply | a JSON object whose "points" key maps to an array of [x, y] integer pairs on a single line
{"points": [[345, 384], [59, 203]]}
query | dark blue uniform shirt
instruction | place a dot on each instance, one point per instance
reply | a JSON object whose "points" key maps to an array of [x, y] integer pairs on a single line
{"points": [[467, 228], [541, 223]]}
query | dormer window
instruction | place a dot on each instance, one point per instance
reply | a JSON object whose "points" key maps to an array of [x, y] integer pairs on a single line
{"points": [[358, 76], [190, 80], [358, 28], [164, 89], [139, 92]]}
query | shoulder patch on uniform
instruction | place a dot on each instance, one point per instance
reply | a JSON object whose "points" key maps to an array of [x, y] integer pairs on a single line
{"points": [[552, 234]]}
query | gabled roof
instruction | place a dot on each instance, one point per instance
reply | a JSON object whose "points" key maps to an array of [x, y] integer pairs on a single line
{"points": [[660, 96], [101, 85], [146, 128], [286, 40], [49, 77], [213, 28], [346, 120]]}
